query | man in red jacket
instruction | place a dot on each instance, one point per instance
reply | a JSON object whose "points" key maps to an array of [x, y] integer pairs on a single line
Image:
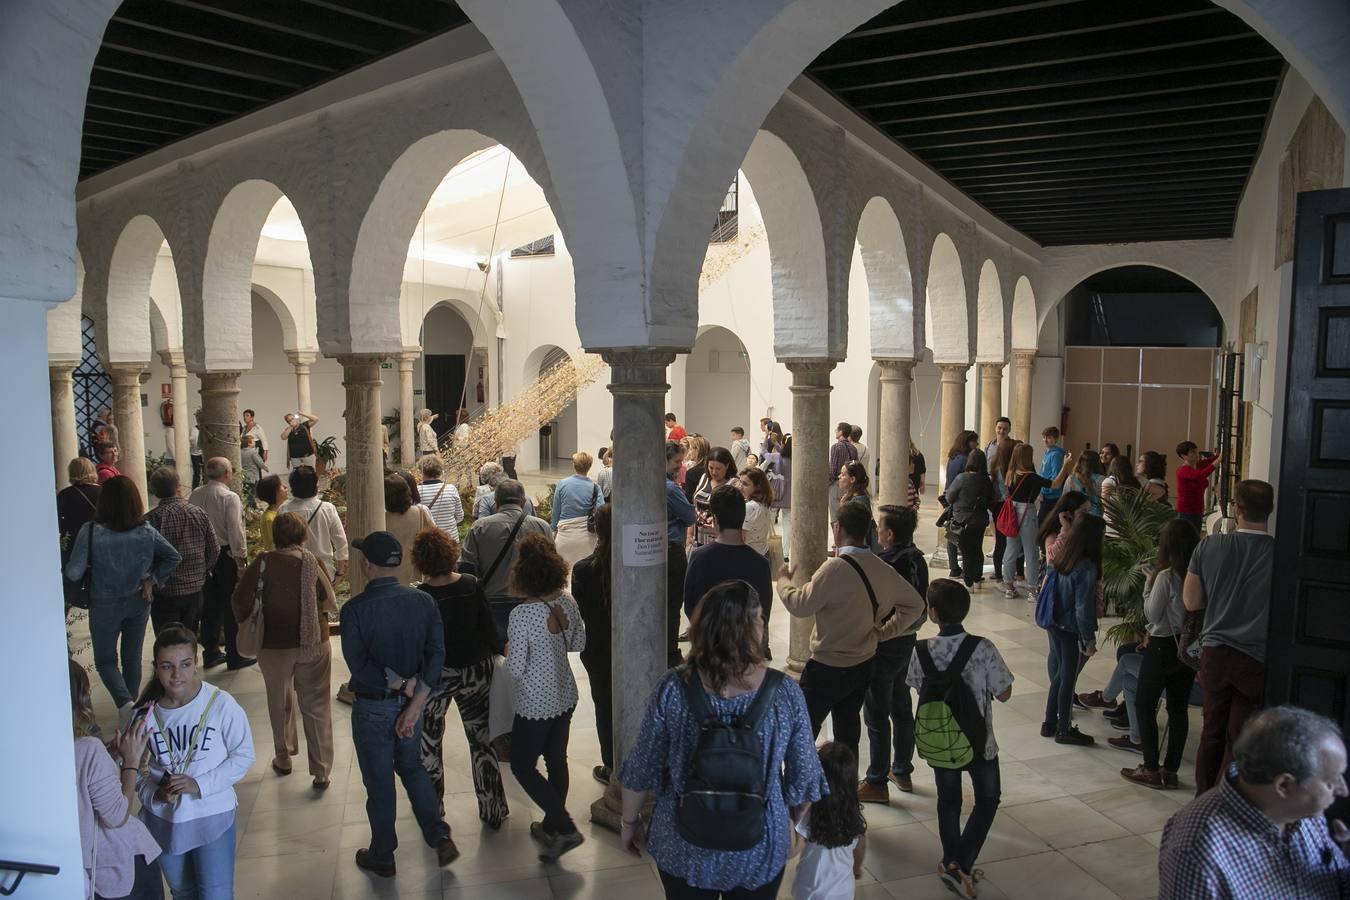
{"points": [[1192, 478]]}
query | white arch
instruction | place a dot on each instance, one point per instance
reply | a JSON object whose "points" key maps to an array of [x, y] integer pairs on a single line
{"points": [[889, 281], [386, 229], [946, 320], [990, 342], [226, 312], [717, 390], [123, 316], [1025, 327], [290, 331], [796, 247]]}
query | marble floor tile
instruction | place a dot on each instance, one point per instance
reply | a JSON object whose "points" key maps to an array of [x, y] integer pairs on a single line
{"points": [[1065, 822], [1045, 876], [901, 851], [1128, 865], [1139, 810], [930, 887], [1008, 839]]}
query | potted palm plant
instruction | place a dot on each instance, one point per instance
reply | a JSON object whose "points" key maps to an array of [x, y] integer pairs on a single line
{"points": [[325, 454], [1133, 524]]}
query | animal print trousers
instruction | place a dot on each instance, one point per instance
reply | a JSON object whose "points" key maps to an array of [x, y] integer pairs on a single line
{"points": [[469, 688]]}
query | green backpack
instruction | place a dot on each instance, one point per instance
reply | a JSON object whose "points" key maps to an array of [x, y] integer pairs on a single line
{"points": [[949, 728]]}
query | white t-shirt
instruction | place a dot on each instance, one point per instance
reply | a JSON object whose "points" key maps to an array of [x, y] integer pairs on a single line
{"points": [[823, 873], [327, 538], [758, 527], [985, 673]]}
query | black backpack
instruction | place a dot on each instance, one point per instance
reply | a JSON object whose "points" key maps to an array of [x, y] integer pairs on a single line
{"points": [[725, 789], [949, 729]]}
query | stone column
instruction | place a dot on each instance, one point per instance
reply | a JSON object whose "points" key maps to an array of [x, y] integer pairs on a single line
{"points": [[407, 407], [65, 440], [302, 360], [953, 406], [1024, 362], [897, 378], [810, 485], [126, 380], [182, 437], [365, 452], [218, 428], [991, 399], [638, 383]]}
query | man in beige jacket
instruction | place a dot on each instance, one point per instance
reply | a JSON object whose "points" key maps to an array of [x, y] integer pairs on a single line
{"points": [[854, 596]]}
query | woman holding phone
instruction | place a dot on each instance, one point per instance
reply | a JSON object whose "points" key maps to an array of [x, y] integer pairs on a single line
{"points": [[200, 746]]}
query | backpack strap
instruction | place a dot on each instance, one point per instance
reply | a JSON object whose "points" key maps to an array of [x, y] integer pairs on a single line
{"points": [[760, 707], [694, 697], [925, 659], [963, 654], [871, 594]]}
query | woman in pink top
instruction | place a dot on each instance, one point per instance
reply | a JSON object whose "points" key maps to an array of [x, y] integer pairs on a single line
{"points": [[119, 853]]}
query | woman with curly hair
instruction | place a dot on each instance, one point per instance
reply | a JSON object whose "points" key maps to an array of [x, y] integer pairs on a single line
{"points": [[832, 839], [471, 641], [726, 665], [542, 630]]}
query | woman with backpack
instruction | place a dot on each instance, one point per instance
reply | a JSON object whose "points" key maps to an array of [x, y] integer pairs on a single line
{"points": [[968, 496], [692, 739], [1067, 609]]}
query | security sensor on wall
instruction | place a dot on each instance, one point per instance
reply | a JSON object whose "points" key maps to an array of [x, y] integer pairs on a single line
{"points": [[1252, 355]]}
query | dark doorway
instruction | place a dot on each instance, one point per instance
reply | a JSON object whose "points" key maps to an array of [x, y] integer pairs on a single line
{"points": [[1308, 649], [445, 388]]}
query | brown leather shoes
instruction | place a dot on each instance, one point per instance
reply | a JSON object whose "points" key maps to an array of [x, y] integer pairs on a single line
{"points": [[904, 782], [873, 793], [1146, 777]]}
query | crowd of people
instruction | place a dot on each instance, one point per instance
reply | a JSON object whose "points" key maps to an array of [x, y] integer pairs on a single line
{"points": [[725, 781]]}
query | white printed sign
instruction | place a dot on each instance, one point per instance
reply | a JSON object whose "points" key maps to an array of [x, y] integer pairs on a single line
{"points": [[644, 545]]}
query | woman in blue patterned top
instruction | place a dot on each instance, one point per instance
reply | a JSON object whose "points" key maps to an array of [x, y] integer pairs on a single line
{"points": [[726, 652]]}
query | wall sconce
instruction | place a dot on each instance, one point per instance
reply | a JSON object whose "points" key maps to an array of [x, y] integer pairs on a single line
{"points": [[1253, 355]]}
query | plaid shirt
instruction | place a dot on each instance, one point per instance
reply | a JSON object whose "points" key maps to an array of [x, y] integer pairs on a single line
{"points": [[1221, 847], [189, 530]]}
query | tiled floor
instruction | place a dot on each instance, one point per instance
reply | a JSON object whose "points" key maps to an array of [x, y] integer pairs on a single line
{"points": [[1069, 827]]}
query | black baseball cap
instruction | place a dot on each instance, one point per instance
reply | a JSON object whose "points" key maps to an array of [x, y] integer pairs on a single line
{"points": [[381, 548]]}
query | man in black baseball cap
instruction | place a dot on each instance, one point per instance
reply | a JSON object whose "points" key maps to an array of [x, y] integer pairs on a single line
{"points": [[394, 645]]}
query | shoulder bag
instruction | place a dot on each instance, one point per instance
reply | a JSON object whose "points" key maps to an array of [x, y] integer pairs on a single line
{"points": [[1008, 523], [249, 638], [595, 502]]}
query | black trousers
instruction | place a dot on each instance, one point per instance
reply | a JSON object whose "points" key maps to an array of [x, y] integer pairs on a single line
{"points": [[216, 614], [600, 673], [677, 563], [972, 550], [679, 889], [531, 739], [185, 609], [837, 692], [197, 465], [1162, 674], [509, 466]]}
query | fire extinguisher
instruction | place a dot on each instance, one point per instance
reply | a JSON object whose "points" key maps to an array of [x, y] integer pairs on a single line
{"points": [[166, 413]]}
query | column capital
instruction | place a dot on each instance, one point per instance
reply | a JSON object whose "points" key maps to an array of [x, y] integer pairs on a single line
{"points": [[896, 370], [1024, 358], [128, 371], [220, 379], [63, 369], [638, 370], [810, 375], [302, 357], [407, 356], [954, 371], [991, 370], [174, 359]]}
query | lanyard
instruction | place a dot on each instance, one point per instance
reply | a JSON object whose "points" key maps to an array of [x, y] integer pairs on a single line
{"points": [[194, 737]]}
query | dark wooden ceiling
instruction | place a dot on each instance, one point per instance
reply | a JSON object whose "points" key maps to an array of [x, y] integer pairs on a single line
{"points": [[1076, 121], [170, 68]]}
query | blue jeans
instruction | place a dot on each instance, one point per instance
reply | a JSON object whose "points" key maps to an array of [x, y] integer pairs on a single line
{"points": [[1024, 547], [381, 753], [888, 703], [119, 621], [203, 873], [958, 846], [1063, 666], [1125, 680]]}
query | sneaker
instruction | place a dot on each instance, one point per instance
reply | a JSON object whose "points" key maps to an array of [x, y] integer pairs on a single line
{"points": [[365, 861], [538, 833], [210, 662], [1094, 700], [873, 793], [446, 852], [1170, 781], [1075, 737], [242, 662], [1140, 775], [1120, 724], [1079, 704], [601, 774], [1010, 593], [1048, 729], [959, 883], [904, 782], [1125, 742], [555, 845]]}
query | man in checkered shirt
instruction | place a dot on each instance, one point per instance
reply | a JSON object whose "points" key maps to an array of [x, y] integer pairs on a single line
{"points": [[1260, 833]]}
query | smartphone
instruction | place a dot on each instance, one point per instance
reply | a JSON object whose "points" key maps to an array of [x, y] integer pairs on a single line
{"points": [[138, 718]]}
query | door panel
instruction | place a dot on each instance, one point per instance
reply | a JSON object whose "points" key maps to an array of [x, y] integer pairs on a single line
{"points": [[1308, 654], [445, 387]]}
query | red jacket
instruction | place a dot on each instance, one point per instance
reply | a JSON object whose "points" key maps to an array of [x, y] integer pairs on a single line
{"points": [[106, 471], [1191, 483]]}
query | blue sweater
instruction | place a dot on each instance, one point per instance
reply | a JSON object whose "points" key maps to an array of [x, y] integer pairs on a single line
{"points": [[574, 498], [1076, 605], [1051, 463]]}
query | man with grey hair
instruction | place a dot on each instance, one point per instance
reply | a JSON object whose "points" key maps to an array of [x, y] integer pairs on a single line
{"points": [[225, 512], [1260, 833], [490, 548]]}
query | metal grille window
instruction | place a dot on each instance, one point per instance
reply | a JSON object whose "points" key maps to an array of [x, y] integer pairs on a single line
{"points": [[541, 247], [92, 386], [725, 229]]}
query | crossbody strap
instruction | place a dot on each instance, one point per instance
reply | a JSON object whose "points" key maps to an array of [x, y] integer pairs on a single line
{"points": [[194, 736], [438, 496], [510, 540], [871, 594]]}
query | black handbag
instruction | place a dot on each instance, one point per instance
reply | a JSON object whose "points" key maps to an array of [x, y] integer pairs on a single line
{"points": [[83, 592]]}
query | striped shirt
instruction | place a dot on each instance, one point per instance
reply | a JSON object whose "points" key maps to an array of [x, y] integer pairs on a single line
{"points": [[442, 500]]}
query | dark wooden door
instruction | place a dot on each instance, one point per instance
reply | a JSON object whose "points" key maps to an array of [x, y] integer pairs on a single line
{"points": [[445, 388], [1308, 656]]}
